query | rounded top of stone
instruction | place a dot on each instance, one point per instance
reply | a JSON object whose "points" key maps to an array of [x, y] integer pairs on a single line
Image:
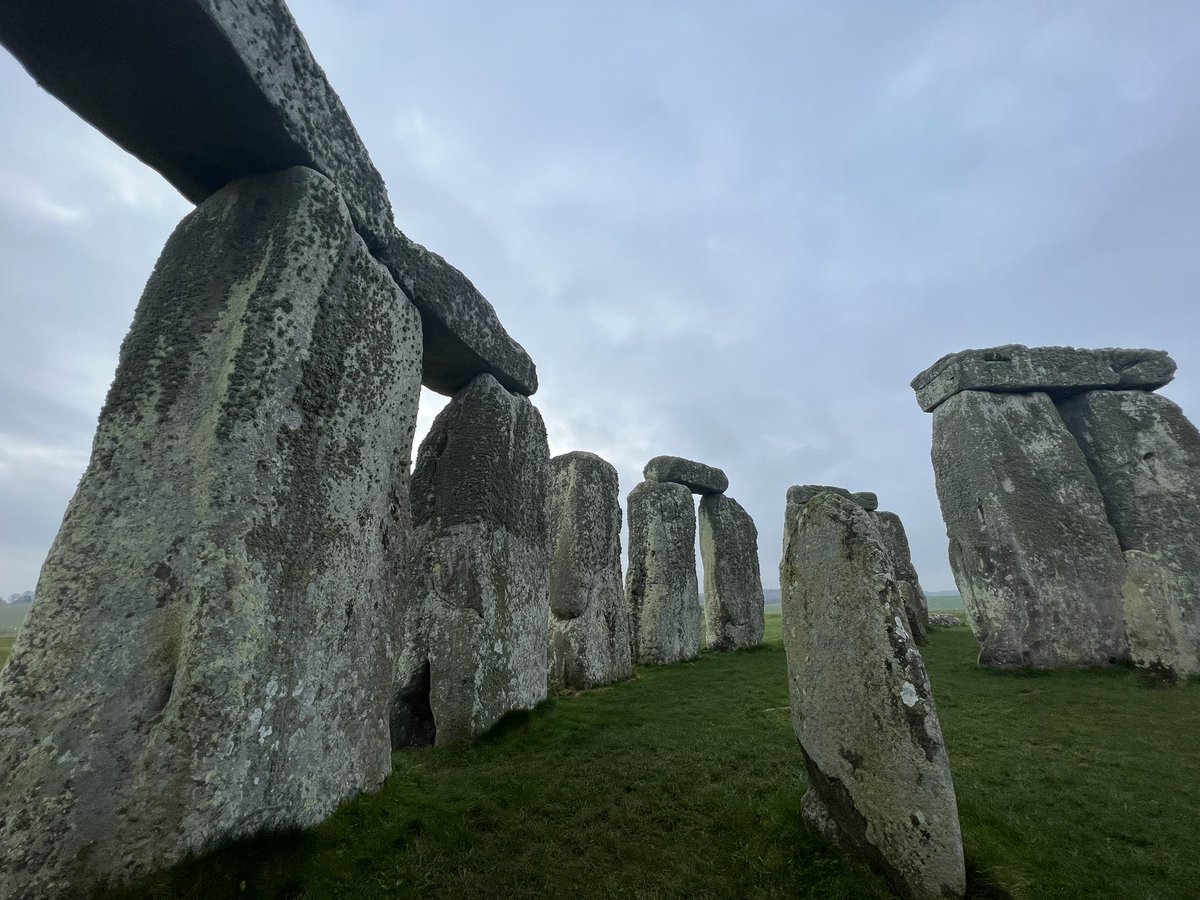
{"points": [[581, 458], [799, 494], [696, 476]]}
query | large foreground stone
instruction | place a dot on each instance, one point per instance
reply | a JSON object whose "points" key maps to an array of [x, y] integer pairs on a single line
{"points": [[1058, 371], [589, 623], [479, 610], [733, 592], [697, 477], [879, 779], [1145, 455], [1038, 566], [660, 583], [209, 653], [1158, 638], [916, 607], [209, 91]]}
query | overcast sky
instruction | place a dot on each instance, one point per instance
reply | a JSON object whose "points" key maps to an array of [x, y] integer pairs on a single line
{"points": [[727, 232]]}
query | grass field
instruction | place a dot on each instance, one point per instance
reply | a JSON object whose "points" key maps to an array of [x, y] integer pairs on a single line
{"points": [[12, 615], [686, 781], [6, 642]]}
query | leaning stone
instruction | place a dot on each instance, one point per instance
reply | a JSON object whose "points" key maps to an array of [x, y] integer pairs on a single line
{"points": [[733, 592], [879, 780], [1038, 566], [209, 652], [697, 477], [479, 607], [891, 529], [1145, 455], [589, 622], [1158, 641], [1058, 371], [945, 620], [660, 583]]}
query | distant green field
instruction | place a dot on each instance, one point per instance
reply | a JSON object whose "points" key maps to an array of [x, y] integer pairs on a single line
{"points": [[12, 615], [945, 603], [6, 642]]}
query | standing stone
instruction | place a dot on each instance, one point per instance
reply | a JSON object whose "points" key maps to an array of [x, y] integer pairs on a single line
{"points": [[699, 478], [209, 652], [478, 621], [1038, 566], [733, 592], [1145, 455], [879, 779], [660, 585], [916, 607], [800, 494], [1158, 640], [589, 623]]}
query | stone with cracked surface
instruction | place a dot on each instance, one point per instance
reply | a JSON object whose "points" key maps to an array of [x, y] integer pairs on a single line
{"points": [[916, 607], [1035, 559], [696, 476], [478, 611], [589, 618], [1059, 371], [209, 653], [879, 782], [1158, 638], [660, 582], [733, 592]]}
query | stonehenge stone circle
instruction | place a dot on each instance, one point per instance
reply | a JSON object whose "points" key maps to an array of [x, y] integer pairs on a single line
{"points": [[589, 622], [1145, 456], [879, 780], [211, 650], [478, 617], [891, 529], [1038, 566], [697, 477], [1015, 368], [660, 582], [208, 92], [733, 592]]}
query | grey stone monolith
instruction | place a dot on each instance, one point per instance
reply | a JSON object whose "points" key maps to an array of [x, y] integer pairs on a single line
{"points": [[210, 653], [800, 494], [696, 476], [206, 92], [1145, 455], [1158, 637], [1035, 559], [879, 782], [478, 609], [1059, 371], [916, 607], [660, 582], [589, 618], [733, 592]]}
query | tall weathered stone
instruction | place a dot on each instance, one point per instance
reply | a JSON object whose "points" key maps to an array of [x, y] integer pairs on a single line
{"points": [[1158, 638], [210, 650], [1145, 456], [916, 607], [589, 622], [209, 91], [1059, 371], [879, 780], [660, 583], [733, 592], [1038, 566], [698, 477], [479, 610]]}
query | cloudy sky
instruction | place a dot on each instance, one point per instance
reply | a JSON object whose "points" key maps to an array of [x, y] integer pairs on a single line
{"points": [[727, 233]]}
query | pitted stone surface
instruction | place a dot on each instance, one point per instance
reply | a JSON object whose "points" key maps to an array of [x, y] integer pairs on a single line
{"points": [[916, 608], [660, 584], [697, 477], [478, 615], [589, 622], [1158, 638], [209, 651], [879, 780], [1038, 566], [800, 494], [733, 592], [1145, 455], [1054, 370]]}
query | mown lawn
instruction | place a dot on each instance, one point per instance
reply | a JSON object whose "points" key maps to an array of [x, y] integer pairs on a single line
{"points": [[686, 781]]}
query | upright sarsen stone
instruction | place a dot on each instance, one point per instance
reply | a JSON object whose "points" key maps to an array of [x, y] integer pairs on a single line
{"points": [[879, 780], [589, 623], [477, 622], [916, 607], [1038, 566], [733, 592], [210, 653], [660, 584]]}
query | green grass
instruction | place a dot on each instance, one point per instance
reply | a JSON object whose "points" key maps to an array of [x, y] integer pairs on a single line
{"points": [[6, 642], [12, 616], [686, 781]]}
